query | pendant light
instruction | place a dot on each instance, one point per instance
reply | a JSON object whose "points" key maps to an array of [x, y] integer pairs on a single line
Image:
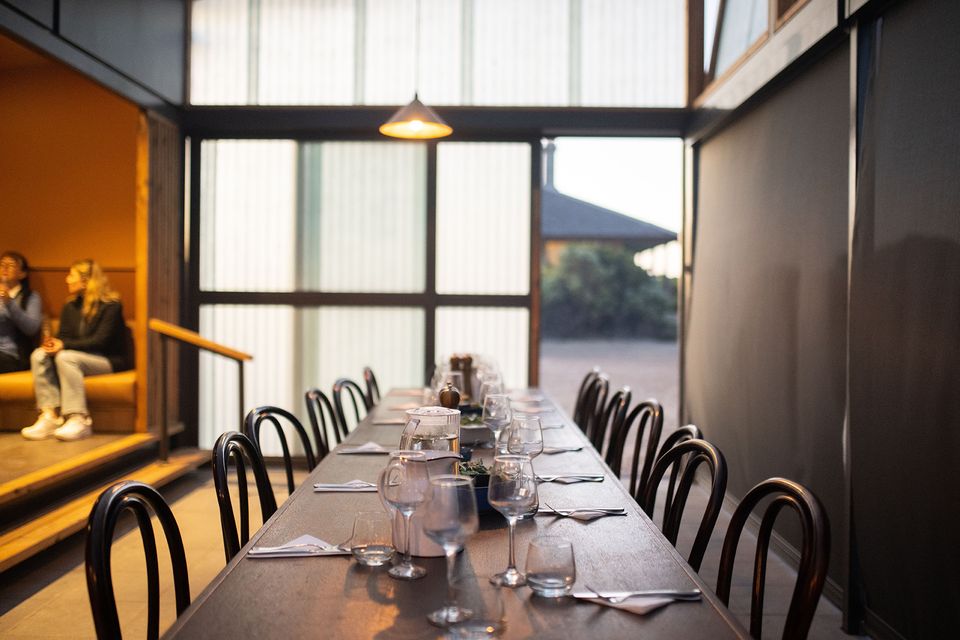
{"points": [[416, 121]]}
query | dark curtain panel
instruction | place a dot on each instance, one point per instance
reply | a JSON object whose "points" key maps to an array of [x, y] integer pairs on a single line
{"points": [[765, 346], [905, 325]]}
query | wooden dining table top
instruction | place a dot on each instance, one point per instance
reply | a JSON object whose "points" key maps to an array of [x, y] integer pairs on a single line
{"points": [[334, 597]]}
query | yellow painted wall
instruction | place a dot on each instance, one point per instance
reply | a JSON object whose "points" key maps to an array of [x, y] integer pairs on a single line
{"points": [[68, 153]]}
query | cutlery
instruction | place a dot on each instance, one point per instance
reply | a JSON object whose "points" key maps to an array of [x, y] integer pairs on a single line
{"points": [[306, 548], [571, 478], [552, 450], [613, 511], [616, 597]]}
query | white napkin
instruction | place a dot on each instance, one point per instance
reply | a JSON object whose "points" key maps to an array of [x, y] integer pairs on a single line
{"points": [[304, 546], [354, 486], [366, 447], [551, 425], [526, 408], [639, 605], [391, 420], [585, 514], [552, 450]]}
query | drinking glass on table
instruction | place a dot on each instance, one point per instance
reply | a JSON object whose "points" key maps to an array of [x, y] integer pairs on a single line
{"points": [[551, 570], [372, 540], [488, 388], [403, 485], [496, 414], [525, 436], [450, 517], [512, 492]]}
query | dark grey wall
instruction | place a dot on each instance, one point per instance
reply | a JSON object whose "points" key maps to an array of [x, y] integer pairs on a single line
{"points": [[765, 343], [905, 325], [135, 47]]}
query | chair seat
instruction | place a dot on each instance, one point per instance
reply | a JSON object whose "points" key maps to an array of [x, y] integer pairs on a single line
{"points": [[111, 397]]}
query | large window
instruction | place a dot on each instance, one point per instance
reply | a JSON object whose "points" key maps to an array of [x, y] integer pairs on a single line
{"points": [[598, 53], [316, 257]]}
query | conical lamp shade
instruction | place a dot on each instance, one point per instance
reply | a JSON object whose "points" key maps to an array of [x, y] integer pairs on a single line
{"points": [[416, 121]]}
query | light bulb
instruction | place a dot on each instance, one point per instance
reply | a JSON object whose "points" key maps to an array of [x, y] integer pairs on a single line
{"points": [[416, 126]]}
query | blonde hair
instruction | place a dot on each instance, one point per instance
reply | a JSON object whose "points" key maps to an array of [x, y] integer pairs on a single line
{"points": [[96, 289]]}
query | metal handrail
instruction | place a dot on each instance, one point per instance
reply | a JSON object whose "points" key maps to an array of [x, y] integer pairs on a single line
{"points": [[169, 331]]}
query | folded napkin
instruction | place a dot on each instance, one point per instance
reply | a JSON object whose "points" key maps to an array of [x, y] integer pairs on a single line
{"points": [[366, 447], [391, 420], [354, 486], [639, 605], [302, 547], [570, 479], [552, 450], [551, 425], [526, 408], [585, 514]]}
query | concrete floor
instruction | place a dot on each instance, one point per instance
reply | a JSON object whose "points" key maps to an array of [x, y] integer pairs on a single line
{"points": [[46, 597]]}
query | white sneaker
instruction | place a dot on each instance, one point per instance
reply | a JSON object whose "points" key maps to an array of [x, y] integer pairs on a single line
{"points": [[43, 428], [77, 427]]}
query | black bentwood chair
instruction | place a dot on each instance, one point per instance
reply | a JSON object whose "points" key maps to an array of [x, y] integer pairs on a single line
{"points": [[323, 421], [700, 452], [814, 554], [373, 389], [238, 446], [611, 420], [595, 404], [578, 413], [645, 415], [139, 498], [258, 416], [682, 434], [347, 387]]}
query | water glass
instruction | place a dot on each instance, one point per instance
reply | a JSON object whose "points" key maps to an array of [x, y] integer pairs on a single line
{"points": [[551, 569], [403, 486], [372, 540], [512, 492], [496, 414], [525, 436]]}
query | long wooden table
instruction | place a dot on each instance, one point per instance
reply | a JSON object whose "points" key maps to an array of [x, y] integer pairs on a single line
{"points": [[333, 597]]}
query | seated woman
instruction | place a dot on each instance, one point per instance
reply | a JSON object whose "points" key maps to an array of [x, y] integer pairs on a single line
{"points": [[20, 313], [92, 340]]}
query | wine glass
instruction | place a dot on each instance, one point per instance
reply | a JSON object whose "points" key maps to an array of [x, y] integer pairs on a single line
{"points": [[512, 491], [450, 517], [525, 436], [403, 485], [496, 414], [490, 387]]}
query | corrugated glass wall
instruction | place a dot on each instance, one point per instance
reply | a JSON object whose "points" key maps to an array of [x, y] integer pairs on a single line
{"points": [[314, 258]]}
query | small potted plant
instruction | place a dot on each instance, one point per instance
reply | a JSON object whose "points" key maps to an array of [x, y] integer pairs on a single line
{"points": [[481, 480]]}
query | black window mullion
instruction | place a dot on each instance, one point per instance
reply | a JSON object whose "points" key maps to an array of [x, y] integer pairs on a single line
{"points": [[430, 286]]}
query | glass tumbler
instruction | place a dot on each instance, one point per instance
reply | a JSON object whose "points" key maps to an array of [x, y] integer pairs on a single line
{"points": [[551, 569], [372, 540]]}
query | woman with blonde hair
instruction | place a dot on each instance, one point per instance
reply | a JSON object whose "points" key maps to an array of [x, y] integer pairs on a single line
{"points": [[92, 340]]}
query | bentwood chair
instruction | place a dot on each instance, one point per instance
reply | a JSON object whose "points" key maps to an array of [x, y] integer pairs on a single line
{"points": [[578, 409], [234, 444], [347, 387], [611, 419], [258, 416], [323, 421], [700, 452], [682, 434], [814, 553], [141, 499], [373, 389], [646, 418], [595, 404]]}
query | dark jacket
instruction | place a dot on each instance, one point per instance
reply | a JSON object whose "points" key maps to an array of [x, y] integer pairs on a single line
{"points": [[106, 334]]}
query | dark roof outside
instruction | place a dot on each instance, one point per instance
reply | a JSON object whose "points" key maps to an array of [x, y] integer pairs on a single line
{"points": [[567, 218]]}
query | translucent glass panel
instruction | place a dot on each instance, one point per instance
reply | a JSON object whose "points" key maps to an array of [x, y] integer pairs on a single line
{"points": [[624, 59], [522, 60], [364, 220], [711, 11], [267, 333], [743, 22], [500, 333], [483, 218], [248, 220], [340, 341], [306, 51], [471, 52]]}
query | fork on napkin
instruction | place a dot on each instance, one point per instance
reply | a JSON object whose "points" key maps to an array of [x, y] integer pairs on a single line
{"points": [[553, 450], [570, 479], [354, 486], [586, 514], [639, 604], [366, 447], [302, 547]]}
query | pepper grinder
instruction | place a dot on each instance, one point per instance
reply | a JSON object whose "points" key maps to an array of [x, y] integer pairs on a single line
{"points": [[449, 396]]}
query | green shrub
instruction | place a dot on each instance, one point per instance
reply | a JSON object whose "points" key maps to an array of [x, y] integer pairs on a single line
{"points": [[597, 291]]}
